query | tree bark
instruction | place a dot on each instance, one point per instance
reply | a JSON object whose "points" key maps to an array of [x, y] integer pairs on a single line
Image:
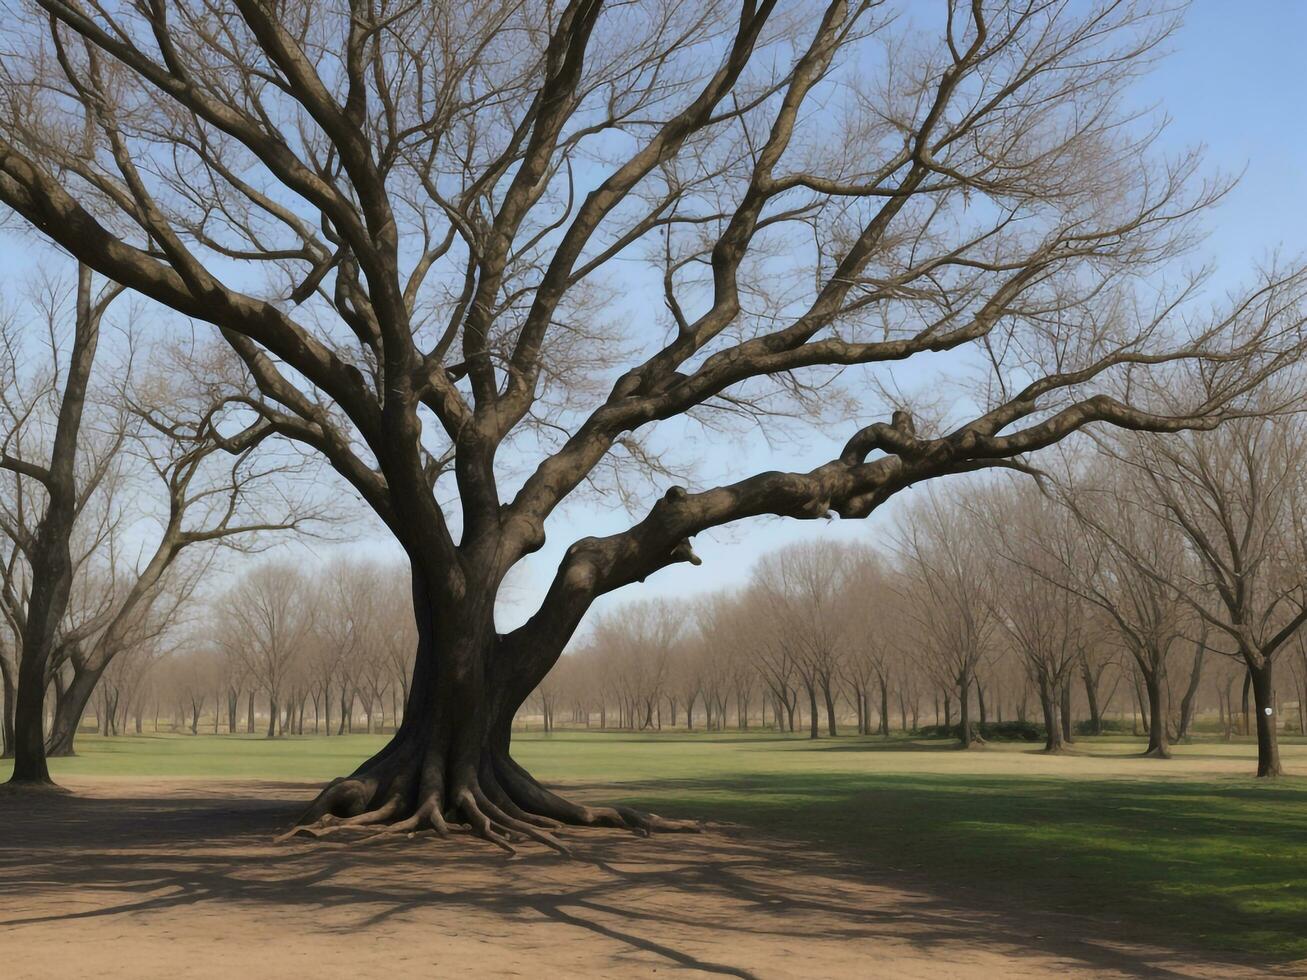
{"points": [[1159, 742], [1068, 729], [69, 710], [830, 708], [1247, 687], [1091, 695], [1052, 728], [1190, 699], [7, 719], [1268, 746], [966, 731]]}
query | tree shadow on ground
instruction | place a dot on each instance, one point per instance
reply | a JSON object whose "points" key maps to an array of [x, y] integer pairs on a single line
{"points": [[878, 743], [1218, 864], [676, 899]]}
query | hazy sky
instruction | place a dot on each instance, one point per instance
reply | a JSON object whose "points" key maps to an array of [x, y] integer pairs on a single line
{"points": [[1233, 83]]}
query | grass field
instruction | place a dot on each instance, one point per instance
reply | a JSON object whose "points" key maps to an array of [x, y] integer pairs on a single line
{"points": [[1194, 849]]}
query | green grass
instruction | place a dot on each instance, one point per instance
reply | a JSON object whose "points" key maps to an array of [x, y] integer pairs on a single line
{"points": [[1195, 849]]}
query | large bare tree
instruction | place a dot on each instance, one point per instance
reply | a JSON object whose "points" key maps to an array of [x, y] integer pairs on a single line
{"points": [[48, 485], [415, 224], [106, 484]]}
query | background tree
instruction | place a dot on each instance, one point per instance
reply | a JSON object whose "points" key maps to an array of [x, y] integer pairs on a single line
{"points": [[1148, 615], [44, 497], [1033, 542], [267, 623], [1235, 497], [949, 594], [801, 585]]}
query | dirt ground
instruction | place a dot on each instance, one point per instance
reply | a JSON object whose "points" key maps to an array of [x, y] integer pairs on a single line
{"points": [[132, 878]]}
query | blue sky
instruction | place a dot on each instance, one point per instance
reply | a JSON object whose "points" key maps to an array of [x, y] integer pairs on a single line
{"points": [[1232, 83]]}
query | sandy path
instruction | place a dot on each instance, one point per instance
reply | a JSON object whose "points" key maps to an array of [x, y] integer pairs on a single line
{"points": [[179, 878]]}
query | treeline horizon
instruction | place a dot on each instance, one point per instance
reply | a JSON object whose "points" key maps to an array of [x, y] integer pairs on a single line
{"points": [[1058, 600]]}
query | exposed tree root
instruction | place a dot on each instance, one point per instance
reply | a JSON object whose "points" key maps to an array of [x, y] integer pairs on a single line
{"points": [[502, 805]]}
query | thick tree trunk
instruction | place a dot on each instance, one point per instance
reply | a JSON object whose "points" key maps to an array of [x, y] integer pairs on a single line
{"points": [[1142, 697], [884, 707], [30, 766], [449, 762], [7, 717], [1159, 742], [69, 710], [1268, 746]]}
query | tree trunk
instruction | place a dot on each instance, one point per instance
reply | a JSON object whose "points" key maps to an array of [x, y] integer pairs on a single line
{"points": [[1052, 727], [69, 710], [966, 733], [830, 708], [1159, 743], [1068, 730], [1190, 698], [1268, 746], [813, 725], [249, 715], [273, 716], [30, 766], [884, 707], [1247, 686], [1091, 695], [7, 720], [49, 555]]}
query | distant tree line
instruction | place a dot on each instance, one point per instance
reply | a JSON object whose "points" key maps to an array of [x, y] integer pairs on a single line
{"points": [[1150, 581]]}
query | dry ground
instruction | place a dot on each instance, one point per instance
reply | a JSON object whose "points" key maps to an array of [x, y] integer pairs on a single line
{"points": [[174, 877]]}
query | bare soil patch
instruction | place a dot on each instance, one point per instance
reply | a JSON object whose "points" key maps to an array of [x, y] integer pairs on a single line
{"points": [[146, 878]]}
